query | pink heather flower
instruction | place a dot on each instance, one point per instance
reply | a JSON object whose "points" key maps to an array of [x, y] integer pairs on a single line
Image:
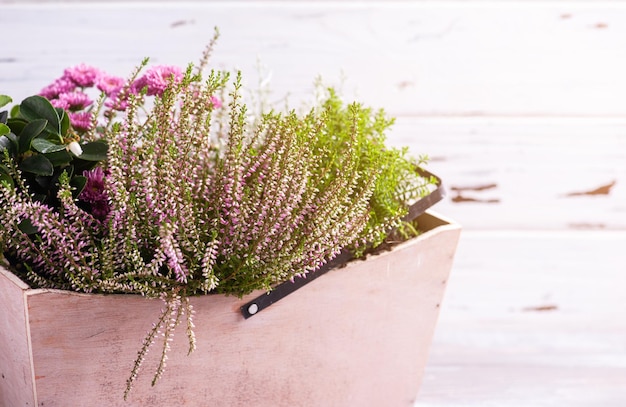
{"points": [[216, 102], [81, 120], [94, 193], [109, 84], [157, 78], [76, 100], [82, 75], [60, 85]]}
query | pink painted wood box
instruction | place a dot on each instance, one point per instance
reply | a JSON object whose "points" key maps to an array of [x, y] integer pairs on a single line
{"points": [[357, 336]]}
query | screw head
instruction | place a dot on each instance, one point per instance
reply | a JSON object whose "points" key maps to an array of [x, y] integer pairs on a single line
{"points": [[253, 309]]}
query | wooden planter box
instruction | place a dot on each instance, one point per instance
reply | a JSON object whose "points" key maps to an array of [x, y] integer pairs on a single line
{"points": [[357, 336]]}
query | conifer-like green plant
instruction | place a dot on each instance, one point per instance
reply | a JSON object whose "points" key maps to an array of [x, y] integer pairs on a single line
{"points": [[194, 198]]}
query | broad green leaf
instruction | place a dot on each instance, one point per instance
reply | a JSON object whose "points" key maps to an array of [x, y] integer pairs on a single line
{"points": [[78, 182], [16, 125], [27, 227], [32, 130], [43, 181], [44, 146], [15, 111], [38, 107], [59, 158], [94, 151], [4, 129], [5, 100], [37, 164]]}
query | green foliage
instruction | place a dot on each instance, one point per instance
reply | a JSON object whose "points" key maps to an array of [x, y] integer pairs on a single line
{"points": [[397, 182], [35, 139], [199, 197]]}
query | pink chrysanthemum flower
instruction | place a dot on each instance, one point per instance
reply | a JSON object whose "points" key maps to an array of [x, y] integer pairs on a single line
{"points": [[109, 84], [95, 194], [82, 75], [216, 102], [81, 120], [76, 100], [157, 78], [59, 103], [61, 85], [116, 101]]}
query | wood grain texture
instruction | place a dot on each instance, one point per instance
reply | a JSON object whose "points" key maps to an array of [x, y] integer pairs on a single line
{"points": [[16, 377], [532, 319], [356, 336], [413, 58], [524, 95]]}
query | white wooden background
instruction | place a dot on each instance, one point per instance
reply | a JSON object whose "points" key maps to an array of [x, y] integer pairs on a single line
{"points": [[522, 108]]}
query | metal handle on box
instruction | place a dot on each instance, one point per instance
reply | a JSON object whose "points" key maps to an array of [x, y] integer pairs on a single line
{"points": [[282, 290]]}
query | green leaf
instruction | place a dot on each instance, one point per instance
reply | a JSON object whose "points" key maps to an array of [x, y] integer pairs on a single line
{"points": [[94, 151], [6, 179], [5, 100], [8, 142], [32, 130], [65, 121], [16, 125], [43, 181], [4, 129], [59, 158], [38, 107], [37, 164], [45, 146], [27, 227], [78, 182], [15, 111]]}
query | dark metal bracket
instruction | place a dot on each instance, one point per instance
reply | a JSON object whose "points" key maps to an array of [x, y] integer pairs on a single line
{"points": [[282, 290]]}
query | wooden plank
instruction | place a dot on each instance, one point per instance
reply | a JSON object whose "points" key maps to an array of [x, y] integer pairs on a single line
{"points": [[532, 319], [413, 58], [357, 335], [525, 174], [16, 385]]}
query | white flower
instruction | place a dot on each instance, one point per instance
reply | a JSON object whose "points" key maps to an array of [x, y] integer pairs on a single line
{"points": [[75, 148]]}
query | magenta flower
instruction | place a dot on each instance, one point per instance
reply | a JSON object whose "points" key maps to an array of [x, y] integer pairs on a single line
{"points": [[216, 102], [81, 120], [157, 78], [95, 194], [116, 101], [59, 103], [109, 84], [82, 75], [75, 100], [61, 85]]}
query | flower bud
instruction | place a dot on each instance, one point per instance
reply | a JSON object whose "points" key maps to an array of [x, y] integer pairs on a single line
{"points": [[75, 148]]}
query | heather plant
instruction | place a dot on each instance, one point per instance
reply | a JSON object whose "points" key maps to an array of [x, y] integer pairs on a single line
{"points": [[195, 198]]}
